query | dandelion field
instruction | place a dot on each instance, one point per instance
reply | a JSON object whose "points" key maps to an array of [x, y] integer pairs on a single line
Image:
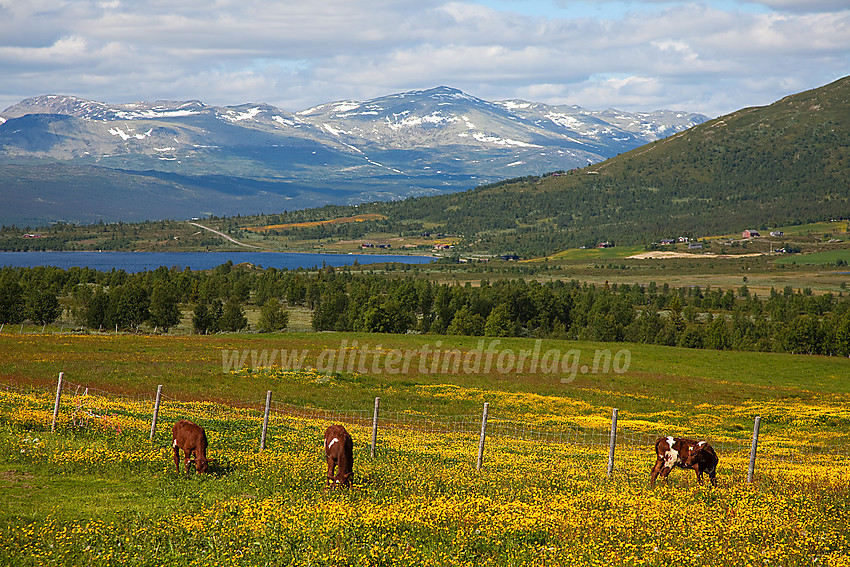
{"points": [[98, 491]]}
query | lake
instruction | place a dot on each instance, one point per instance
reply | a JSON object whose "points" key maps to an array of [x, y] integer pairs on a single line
{"points": [[140, 261]]}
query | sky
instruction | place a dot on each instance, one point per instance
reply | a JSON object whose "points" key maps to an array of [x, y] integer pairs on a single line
{"points": [[712, 57]]}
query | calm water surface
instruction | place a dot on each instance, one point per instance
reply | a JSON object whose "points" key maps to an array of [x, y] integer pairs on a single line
{"points": [[141, 261]]}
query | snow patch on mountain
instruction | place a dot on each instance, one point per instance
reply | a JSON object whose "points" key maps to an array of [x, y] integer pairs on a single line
{"points": [[235, 116], [435, 118], [564, 120], [502, 141], [346, 106], [335, 131], [151, 114], [515, 105], [129, 133]]}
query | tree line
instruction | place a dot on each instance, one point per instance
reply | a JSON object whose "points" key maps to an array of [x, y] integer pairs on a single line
{"points": [[787, 320]]}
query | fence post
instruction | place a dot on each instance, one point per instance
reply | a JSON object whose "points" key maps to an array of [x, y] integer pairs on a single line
{"points": [[375, 425], [266, 420], [612, 442], [156, 410], [754, 448], [483, 436], [56, 404]]}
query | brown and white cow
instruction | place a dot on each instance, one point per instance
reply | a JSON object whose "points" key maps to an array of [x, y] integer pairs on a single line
{"points": [[684, 453], [191, 438], [339, 449]]}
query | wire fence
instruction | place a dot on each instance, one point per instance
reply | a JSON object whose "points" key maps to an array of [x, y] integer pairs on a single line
{"points": [[88, 405]]}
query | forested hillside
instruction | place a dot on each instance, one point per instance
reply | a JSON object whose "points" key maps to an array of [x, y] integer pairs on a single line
{"points": [[787, 163]]}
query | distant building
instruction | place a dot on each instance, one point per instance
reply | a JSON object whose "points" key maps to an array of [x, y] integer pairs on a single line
{"points": [[683, 239], [751, 233], [695, 246], [605, 245], [667, 241], [776, 233]]}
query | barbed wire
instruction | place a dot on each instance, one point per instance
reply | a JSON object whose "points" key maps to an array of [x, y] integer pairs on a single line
{"points": [[88, 404]]}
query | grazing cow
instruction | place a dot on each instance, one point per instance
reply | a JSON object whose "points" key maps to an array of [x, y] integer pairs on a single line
{"points": [[338, 452], [190, 438], [686, 454]]}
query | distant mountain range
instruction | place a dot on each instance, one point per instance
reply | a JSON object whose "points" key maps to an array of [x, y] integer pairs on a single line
{"points": [[783, 164], [68, 159]]}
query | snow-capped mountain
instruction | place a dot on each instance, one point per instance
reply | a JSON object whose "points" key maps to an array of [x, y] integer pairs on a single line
{"points": [[259, 158]]}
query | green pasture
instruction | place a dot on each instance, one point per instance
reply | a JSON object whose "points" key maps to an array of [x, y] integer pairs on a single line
{"points": [[817, 229], [817, 258], [589, 254], [837, 227], [642, 381], [98, 491]]}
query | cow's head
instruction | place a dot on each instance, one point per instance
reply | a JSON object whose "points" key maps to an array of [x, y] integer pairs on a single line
{"points": [[202, 464], [693, 454], [342, 479]]}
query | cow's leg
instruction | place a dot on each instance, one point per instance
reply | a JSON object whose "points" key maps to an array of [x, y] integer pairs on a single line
{"points": [[655, 470], [331, 467], [698, 470], [712, 476], [177, 458], [188, 459], [665, 472]]}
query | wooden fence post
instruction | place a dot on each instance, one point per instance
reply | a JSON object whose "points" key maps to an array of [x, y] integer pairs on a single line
{"points": [[375, 425], [754, 449], [266, 420], [612, 442], [156, 410], [483, 436], [56, 404]]}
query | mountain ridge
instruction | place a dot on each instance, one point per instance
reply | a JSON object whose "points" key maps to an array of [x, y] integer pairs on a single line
{"points": [[425, 142], [781, 164]]}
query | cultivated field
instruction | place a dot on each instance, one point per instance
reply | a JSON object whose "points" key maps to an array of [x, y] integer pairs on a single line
{"points": [[98, 491]]}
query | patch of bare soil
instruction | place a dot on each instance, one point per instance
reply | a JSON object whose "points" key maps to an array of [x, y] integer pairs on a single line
{"points": [[661, 254]]}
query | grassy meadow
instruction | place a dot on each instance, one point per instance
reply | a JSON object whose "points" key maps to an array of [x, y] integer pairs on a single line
{"points": [[98, 491]]}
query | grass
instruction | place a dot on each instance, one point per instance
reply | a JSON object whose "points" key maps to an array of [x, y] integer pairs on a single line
{"points": [[106, 494], [613, 253], [829, 257], [340, 220], [98, 491], [666, 384]]}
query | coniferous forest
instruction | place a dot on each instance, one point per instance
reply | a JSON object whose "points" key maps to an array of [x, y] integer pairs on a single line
{"points": [[787, 320]]}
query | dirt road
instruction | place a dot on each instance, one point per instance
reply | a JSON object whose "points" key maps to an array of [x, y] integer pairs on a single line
{"points": [[233, 240]]}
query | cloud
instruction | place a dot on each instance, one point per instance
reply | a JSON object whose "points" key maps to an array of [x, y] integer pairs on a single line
{"points": [[806, 5], [711, 57]]}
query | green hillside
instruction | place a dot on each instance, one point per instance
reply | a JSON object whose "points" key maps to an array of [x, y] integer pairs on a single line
{"points": [[782, 164]]}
